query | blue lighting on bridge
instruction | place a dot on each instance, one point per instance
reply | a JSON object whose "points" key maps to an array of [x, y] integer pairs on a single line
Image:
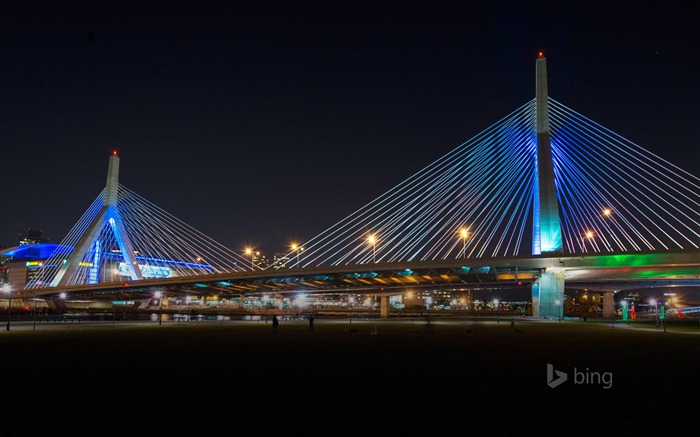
{"points": [[161, 261], [147, 271]]}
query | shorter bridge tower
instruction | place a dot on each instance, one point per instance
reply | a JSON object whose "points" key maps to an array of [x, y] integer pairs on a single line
{"points": [[108, 215]]}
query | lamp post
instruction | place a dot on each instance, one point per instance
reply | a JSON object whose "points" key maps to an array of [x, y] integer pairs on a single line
{"points": [[298, 249], [159, 295], [464, 233], [252, 253], [495, 306], [373, 241], [607, 213], [249, 251], [656, 309], [588, 235], [7, 288]]}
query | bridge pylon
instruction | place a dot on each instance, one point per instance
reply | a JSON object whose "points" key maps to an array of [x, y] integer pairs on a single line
{"points": [[548, 289], [108, 215]]}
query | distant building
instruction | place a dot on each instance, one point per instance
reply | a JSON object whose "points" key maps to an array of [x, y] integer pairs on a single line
{"points": [[261, 261], [33, 236], [280, 260], [22, 265]]}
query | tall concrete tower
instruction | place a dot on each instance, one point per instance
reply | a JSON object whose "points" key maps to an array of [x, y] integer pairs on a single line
{"points": [[548, 289], [546, 236]]}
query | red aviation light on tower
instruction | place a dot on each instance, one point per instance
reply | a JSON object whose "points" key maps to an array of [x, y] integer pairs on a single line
{"points": [[114, 152], [541, 55]]}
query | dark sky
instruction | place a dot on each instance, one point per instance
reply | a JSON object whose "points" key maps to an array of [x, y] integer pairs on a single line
{"points": [[260, 123]]}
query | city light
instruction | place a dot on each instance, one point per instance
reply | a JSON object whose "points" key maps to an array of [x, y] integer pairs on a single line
{"points": [[464, 232], [373, 241], [298, 249], [249, 251]]}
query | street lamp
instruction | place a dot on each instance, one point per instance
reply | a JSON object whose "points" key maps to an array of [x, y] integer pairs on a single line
{"points": [[589, 235], [7, 288], [373, 241], [159, 295], [63, 302], [656, 306], [464, 233], [249, 251], [298, 249]]}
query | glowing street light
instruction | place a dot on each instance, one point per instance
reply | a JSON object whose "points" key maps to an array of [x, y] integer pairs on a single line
{"points": [[249, 251], [298, 249], [373, 241], [63, 304], [589, 235], [464, 233]]}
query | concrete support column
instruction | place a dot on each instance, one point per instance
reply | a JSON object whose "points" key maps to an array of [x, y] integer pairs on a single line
{"points": [[384, 307], [608, 305], [548, 294]]}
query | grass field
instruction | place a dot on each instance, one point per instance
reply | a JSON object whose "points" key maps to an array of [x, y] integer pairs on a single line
{"points": [[371, 377]]}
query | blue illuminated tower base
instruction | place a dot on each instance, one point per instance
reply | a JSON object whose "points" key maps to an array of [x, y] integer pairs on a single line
{"points": [[548, 295]]}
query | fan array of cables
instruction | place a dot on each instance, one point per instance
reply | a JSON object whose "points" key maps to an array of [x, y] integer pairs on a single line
{"points": [[616, 196], [474, 202], [162, 245], [477, 200]]}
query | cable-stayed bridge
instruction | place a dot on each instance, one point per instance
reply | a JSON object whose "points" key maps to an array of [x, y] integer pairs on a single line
{"points": [[544, 196]]}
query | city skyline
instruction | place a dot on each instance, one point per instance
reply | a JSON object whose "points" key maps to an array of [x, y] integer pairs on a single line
{"points": [[264, 127]]}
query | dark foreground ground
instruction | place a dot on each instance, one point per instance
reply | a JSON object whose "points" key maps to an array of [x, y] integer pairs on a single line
{"points": [[411, 378]]}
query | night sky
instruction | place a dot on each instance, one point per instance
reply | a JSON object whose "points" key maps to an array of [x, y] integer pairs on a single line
{"points": [[262, 123]]}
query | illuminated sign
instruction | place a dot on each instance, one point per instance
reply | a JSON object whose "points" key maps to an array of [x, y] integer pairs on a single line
{"points": [[147, 271]]}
